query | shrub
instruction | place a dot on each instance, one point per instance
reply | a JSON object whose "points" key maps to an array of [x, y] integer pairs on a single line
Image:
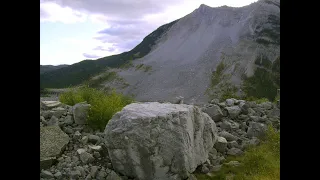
{"points": [[103, 104], [260, 162]]}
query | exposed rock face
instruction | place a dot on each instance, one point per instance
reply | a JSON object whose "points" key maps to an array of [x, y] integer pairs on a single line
{"points": [[155, 141], [52, 141]]}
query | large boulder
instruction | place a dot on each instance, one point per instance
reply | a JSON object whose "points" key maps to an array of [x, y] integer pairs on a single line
{"points": [[256, 129], [80, 112], [52, 142], [233, 111], [159, 141]]}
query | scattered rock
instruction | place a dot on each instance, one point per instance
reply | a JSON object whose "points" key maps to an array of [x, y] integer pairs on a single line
{"points": [[228, 136], [216, 168], [221, 144], [233, 111], [113, 176], [94, 139], [233, 163], [75, 174], [256, 129], [214, 112], [204, 169], [46, 105], [53, 121], [80, 112], [229, 102], [94, 171], [68, 120], [46, 174], [86, 157]]}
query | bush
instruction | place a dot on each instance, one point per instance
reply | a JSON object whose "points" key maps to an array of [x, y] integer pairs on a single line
{"points": [[103, 104], [260, 162], [257, 100]]}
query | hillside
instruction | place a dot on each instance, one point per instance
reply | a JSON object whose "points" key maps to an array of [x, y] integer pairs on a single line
{"points": [[48, 68], [79, 72], [209, 53]]}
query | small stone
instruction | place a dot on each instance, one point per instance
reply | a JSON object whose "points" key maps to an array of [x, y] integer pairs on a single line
{"points": [[229, 102], [204, 169], [221, 144], [75, 174], [214, 101], [53, 121], [101, 175], [84, 140], [94, 139], [228, 136], [226, 125], [80, 151], [113, 176], [95, 148], [88, 177], [68, 130], [233, 144], [86, 158], [46, 174], [109, 165], [58, 175], [96, 154], [233, 111], [81, 169], [77, 135], [94, 170]]}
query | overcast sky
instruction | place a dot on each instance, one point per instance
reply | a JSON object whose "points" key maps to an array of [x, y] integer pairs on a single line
{"points": [[74, 30]]}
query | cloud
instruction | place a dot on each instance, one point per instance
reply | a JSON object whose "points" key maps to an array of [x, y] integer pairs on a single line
{"points": [[90, 56]]}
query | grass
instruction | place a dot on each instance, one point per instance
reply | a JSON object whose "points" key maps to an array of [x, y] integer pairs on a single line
{"points": [[257, 100], [143, 67], [103, 104], [258, 163]]}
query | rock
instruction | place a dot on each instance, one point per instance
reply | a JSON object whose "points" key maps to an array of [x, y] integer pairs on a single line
{"points": [[68, 130], [58, 112], [68, 120], [226, 125], [235, 152], [101, 175], [214, 112], [84, 140], [243, 126], [81, 169], [254, 141], [81, 150], [222, 104], [256, 129], [214, 101], [192, 177], [53, 121], [75, 174], [80, 112], [229, 102], [233, 163], [267, 105], [94, 139], [77, 135], [58, 175], [160, 137], [233, 144], [275, 112], [52, 143], [46, 105], [233, 111], [244, 108], [212, 154], [96, 154], [221, 144], [113, 176], [94, 171], [204, 169], [95, 148], [88, 177], [47, 114], [217, 161], [228, 136], [46, 174], [251, 112], [86, 158]]}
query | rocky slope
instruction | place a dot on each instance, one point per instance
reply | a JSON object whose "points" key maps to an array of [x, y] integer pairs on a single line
{"points": [[244, 39], [48, 68], [86, 154]]}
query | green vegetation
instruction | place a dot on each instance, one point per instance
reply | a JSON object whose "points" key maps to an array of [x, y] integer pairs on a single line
{"points": [[77, 73], [103, 104], [257, 100], [264, 83], [105, 77], [44, 92], [258, 163], [143, 67], [217, 75]]}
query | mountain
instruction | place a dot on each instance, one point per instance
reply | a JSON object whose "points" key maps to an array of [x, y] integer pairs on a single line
{"points": [[209, 53], [48, 68], [79, 72]]}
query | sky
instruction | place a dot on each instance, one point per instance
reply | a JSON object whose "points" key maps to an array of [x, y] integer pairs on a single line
{"points": [[75, 30]]}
